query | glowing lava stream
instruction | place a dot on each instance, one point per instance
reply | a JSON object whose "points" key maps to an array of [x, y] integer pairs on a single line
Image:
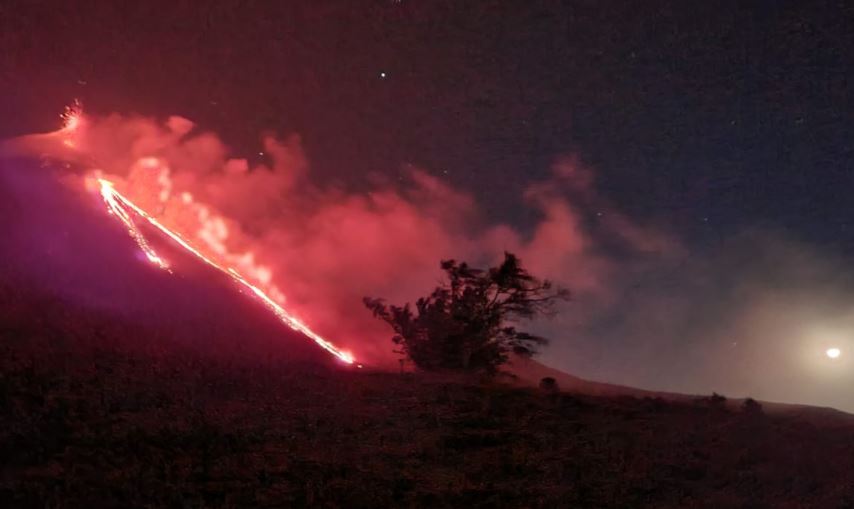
{"points": [[119, 205]]}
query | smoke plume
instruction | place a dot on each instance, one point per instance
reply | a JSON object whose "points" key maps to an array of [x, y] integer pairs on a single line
{"points": [[323, 247]]}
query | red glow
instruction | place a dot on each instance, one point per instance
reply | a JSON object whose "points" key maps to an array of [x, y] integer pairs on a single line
{"points": [[274, 224], [72, 118]]}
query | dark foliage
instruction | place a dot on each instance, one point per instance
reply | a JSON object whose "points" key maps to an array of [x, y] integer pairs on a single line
{"points": [[466, 323], [549, 384], [715, 401], [751, 407]]}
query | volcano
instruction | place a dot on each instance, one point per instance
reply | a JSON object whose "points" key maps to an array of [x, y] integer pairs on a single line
{"points": [[61, 242]]}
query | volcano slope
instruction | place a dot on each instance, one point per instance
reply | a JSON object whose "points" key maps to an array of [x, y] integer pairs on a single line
{"points": [[124, 386]]}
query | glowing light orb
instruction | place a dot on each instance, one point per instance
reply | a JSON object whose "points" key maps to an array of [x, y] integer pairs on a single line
{"points": [[833, 353]]}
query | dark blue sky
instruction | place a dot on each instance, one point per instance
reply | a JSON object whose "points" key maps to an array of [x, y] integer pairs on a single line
{"points": [[705, 118]]}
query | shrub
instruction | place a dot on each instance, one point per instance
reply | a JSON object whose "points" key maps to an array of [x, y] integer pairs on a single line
{"points": [[549, 384], [466, 323], [751, 407], [717, 401]]}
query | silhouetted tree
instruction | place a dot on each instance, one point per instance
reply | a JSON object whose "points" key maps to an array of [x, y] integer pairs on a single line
{"points": [[465, 323]]}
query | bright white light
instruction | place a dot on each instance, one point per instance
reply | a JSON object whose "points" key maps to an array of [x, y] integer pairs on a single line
{"points": [[833, 353]]}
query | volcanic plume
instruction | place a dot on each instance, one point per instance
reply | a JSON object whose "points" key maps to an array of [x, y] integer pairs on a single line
{"points": [[309, 252], [211, 250]]}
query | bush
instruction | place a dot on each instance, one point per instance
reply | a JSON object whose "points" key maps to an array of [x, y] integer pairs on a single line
{"points": [[751, 407], [465, 324], [717, 401], [549, 384]]}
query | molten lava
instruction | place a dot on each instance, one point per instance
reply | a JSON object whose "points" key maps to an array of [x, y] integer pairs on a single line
{"points": [[124, 209], [189, 223], [72, 118]]}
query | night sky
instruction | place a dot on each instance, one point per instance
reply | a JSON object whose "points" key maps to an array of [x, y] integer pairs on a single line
{"points": [[702, 118], [706, 117]]}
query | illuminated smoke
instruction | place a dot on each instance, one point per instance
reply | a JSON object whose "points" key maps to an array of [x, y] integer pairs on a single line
{"points": [[316, 249]]}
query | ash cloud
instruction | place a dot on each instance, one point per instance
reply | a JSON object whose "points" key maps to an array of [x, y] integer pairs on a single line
{"points": [[328, 246]]}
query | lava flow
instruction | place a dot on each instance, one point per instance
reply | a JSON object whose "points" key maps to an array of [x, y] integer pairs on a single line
{"points": [[212, 233], [121, 207]]}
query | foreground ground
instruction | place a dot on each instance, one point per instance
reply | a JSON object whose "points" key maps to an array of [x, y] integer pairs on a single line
{"points": [[90, 418]]}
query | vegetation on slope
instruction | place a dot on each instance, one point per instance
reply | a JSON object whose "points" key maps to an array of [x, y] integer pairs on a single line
{"points": [[468, 322]]}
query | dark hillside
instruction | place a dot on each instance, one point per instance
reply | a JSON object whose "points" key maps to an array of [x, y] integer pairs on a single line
{"points": [[97, 412]]}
